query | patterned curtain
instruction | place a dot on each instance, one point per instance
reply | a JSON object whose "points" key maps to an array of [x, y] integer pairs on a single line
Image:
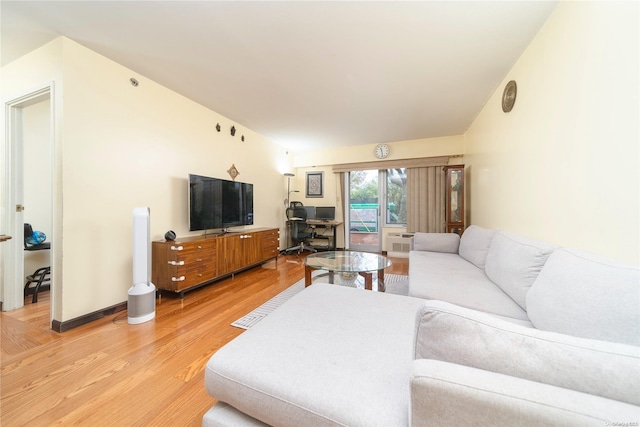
{"points": [[426, 200]]}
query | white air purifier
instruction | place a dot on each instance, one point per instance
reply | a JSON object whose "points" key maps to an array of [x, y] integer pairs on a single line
{"points": [[141, 306]]}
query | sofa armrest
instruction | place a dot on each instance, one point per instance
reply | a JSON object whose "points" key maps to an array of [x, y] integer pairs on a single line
{"points": [[467, 337], [436, 242], [446, 394]]}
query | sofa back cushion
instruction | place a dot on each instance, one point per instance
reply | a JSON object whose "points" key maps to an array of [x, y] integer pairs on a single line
{"points": [[467, 337], [475, 243], [585, 295], [514, 262], [436, 242]]}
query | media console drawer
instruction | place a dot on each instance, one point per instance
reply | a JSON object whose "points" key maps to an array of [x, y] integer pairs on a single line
{"points": [[189, 262]]}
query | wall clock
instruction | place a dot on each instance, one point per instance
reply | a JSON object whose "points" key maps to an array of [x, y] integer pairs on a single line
{"points": [[381, 151], [509, 96]]}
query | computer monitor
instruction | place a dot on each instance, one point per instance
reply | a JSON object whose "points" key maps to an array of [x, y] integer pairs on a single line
{"points": [[326, 213], [311, 212]]}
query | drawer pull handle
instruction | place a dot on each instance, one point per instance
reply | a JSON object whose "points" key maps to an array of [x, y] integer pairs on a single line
{"points": [[246, 236], [199, 247], [176, 248], [177, 279], [176, 263], [199, 260]]}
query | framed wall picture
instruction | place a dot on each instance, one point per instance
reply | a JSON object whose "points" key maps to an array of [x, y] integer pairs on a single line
{"points": [[315, 184]]}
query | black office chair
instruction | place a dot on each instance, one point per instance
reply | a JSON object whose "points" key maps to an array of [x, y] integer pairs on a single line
{"points": [[42, 276], [297, 217]]}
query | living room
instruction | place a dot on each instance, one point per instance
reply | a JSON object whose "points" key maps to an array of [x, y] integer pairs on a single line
{"points": [[554, 166], [562, 166]]}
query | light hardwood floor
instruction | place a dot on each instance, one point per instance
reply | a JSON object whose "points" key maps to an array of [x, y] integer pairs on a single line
{"points": [[111, 373]]}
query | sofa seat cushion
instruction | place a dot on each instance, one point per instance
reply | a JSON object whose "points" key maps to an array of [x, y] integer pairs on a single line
{"points": [[585, 295], [514, 262], [330, 355], [450, 278]]}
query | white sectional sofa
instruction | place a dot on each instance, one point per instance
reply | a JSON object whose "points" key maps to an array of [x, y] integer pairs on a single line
{"points": [[497, 329]]}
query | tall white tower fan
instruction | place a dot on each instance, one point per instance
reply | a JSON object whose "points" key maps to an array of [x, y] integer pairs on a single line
{"points": [[141, 306]]}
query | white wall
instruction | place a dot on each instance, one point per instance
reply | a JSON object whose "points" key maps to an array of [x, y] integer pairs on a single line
{"points": [[563, 164], [122, 147], [37, 179]]}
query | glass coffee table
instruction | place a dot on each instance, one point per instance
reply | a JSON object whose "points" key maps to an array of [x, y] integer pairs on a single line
{"points": [[345, 262]]}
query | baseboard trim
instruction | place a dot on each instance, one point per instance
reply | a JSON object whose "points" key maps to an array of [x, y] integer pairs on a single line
{"points": [[58, 326]]}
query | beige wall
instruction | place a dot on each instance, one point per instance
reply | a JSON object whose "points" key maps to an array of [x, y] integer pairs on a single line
{"points": [[123, 147], [415, 148], [563, 164], [39, 69]]}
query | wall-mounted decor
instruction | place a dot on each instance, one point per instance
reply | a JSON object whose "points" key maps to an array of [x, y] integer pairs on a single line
{"points": [[242, 138], [315, 184], [233, 172], [233, 130], [218, 127], [509, 96]]}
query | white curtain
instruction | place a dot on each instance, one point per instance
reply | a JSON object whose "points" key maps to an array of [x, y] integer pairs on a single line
{"points": [[426, 200]]}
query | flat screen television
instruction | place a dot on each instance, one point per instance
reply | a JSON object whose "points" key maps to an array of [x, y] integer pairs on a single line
{"points": [[219, 203], [326, 213]]}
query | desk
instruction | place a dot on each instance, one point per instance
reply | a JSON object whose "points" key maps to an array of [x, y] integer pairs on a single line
{"points": [[332, 225]]}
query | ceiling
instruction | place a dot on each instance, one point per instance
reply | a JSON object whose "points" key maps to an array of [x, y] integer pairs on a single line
{"points": [[305, 74]]}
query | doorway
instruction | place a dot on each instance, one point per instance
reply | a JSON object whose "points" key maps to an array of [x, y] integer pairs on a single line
{"points": [[28, 185], [365, 232]]}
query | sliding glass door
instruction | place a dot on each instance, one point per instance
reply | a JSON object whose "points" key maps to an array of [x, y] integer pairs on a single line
{"points": [[377, 199], [364, 213]]}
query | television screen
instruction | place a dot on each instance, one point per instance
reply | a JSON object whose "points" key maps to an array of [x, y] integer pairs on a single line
{"points": [[205, 203], [237, 203], [327, 213], [219, 203]]}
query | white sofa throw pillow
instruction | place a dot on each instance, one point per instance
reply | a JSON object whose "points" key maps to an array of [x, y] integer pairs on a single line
{"points": [[475, 243], [514, 262], [586, 295]]}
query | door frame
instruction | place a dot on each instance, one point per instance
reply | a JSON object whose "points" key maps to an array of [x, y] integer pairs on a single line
{"points": [[13, 218]]}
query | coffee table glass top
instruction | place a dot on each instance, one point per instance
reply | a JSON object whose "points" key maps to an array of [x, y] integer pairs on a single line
{"points": [[347, 261]]}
